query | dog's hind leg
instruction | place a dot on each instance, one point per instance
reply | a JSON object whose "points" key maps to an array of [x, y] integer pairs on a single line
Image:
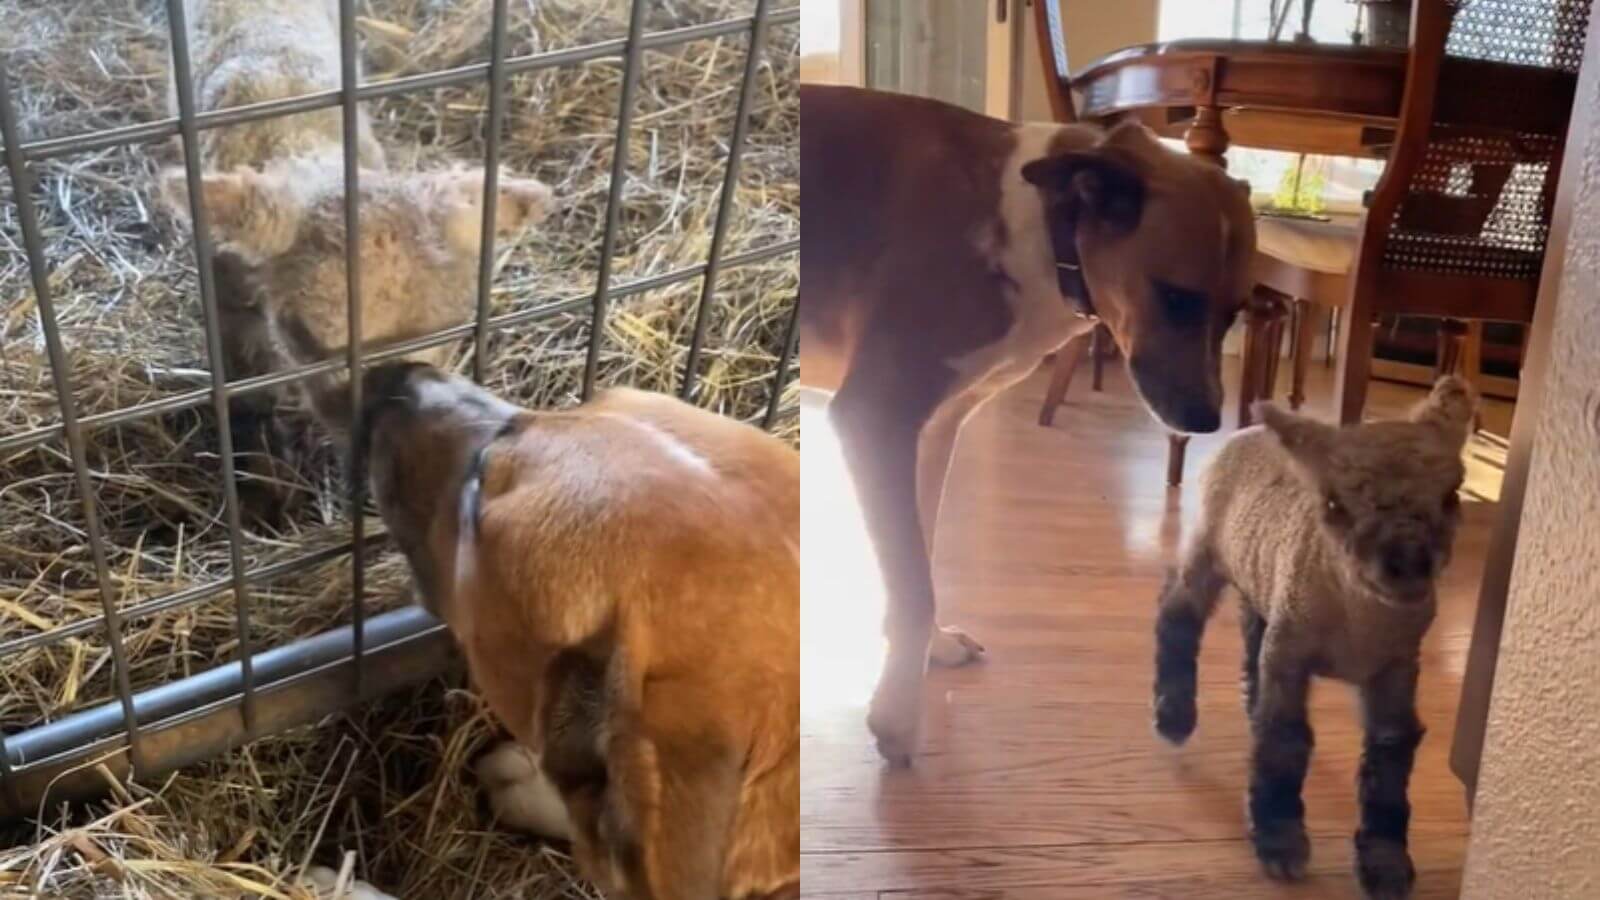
{"points": [[935, 449], [1187, 600], [878, 419]]}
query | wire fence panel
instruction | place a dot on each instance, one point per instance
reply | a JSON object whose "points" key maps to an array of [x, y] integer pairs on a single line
{"points": [[273, 675]]}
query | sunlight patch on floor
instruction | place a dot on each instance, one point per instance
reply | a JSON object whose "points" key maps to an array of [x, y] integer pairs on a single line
{"points": [[841, 588]]}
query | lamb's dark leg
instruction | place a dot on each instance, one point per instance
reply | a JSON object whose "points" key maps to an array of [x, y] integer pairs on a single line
{"points": [[1187, 600], [262, 447], [1252, 626], [1393, 732], [1280, 753]]}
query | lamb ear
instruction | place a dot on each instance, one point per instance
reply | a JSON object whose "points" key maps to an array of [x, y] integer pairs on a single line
{"points": [[1450, 407], [251, 213], [1307, 440], [521, 202]]}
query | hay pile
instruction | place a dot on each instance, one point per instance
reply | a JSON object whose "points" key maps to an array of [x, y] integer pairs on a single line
{"points": [[124, 289]]}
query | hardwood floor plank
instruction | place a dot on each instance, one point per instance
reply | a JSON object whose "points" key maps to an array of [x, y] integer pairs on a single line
{"points": [[1040, 776], [1220, 869]]}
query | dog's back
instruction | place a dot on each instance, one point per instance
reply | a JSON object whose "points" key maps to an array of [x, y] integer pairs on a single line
{"points": [[672, 535], [894, 186]]}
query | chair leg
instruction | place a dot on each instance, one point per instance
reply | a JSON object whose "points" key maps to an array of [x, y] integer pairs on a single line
{"points": [[1097, 354], [1452, 334], [1177, 446], [1262, 337], [1355, 367], [1270, 359], [1472, 365], [1248, 365], [1067, 360], [1305, 330], [1334, 318]]}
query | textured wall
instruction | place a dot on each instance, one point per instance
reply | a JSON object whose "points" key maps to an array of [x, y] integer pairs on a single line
{"points": [[1536, 829]]}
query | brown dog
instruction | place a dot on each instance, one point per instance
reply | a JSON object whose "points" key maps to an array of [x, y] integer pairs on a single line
{"points": [[623, 579], [945, 254]]}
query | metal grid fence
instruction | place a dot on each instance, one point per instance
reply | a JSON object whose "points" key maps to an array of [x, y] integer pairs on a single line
{"points": [[264, 692]]}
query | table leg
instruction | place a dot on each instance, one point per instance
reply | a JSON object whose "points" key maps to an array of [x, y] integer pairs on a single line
{"points": [[1305, 331], [1177, 447], [1206, 137]]}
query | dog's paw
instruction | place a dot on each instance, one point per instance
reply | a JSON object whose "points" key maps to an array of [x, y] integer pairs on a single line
{"points": [[1385, 870], [1283, 849], [953, 647], [519, 793], [323, 881], [895, 716]]}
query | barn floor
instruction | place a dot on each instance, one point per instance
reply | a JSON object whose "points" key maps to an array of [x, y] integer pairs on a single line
{"points": [[1040, 776]]}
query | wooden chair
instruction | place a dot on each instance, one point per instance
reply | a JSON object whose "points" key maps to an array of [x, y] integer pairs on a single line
{"points": [[1262, 315], [1308, 263], [1457, 225]]}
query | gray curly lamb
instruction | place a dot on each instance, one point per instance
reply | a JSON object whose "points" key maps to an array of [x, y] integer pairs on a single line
{"points": [[1334, 538]]}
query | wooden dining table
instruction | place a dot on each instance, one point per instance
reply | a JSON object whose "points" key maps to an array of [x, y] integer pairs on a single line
{"points": [[1329, 99]]}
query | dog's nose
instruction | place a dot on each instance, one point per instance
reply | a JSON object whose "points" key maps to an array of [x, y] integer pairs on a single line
{"points": [[1200, 418]]}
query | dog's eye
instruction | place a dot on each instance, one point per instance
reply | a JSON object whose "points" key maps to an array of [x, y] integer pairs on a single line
{"points": [[1182, 307]]}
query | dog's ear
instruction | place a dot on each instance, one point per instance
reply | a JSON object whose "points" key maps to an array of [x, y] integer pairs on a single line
{"points": [[1102, 184]]}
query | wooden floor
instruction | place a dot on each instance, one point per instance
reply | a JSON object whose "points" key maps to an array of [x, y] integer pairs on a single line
{"points": [[1041, 776]]}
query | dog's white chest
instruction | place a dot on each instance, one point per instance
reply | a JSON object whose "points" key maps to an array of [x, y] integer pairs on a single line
{"points": [[1017, 244]]}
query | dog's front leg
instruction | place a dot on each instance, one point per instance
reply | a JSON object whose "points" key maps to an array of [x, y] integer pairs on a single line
{"points": [[935, 450], [878, 434]]}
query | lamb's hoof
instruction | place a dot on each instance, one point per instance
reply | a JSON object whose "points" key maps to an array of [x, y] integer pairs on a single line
{"points": [[520, 794], [323, 880], [1175, 715], [1385, 869], [1284, 850], [953, 647]]}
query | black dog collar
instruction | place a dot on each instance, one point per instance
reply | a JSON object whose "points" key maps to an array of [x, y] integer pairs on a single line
{"points": [[1069, 271]]}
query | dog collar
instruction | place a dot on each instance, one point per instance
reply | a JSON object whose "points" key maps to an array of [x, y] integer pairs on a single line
{"points": [[1069, 272], [1070, 281], [1069, 278]]}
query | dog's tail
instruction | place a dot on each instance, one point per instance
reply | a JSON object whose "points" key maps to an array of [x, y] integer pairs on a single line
{"points": [[1187, 601]]}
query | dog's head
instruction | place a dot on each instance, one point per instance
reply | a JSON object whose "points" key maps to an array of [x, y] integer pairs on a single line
{"points": [[1166, 242], [421, 438]]}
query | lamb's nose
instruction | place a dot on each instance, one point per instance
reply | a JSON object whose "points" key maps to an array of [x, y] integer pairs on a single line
{"points": [[1403, 562]]}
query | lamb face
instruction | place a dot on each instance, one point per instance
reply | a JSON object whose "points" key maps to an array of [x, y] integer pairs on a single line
{"points": [[1389, 490], [420, 241]]}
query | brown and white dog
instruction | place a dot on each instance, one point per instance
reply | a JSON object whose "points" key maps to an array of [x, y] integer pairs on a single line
{"points": [[944, 254], [623, 579]]}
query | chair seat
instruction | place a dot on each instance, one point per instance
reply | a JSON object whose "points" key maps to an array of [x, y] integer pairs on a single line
{"points": [[1327, 247]]}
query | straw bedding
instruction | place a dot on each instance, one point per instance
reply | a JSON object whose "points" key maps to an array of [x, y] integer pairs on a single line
{"points": [[388, 782]]}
